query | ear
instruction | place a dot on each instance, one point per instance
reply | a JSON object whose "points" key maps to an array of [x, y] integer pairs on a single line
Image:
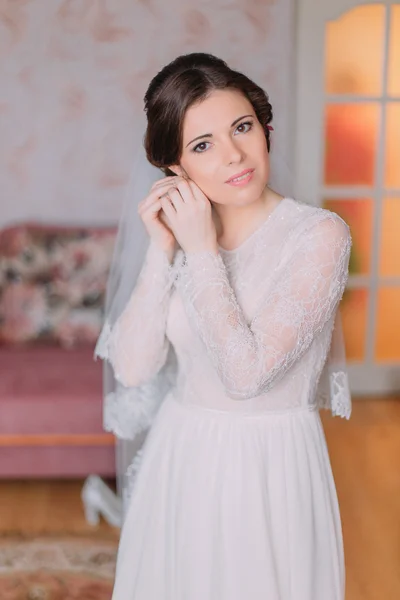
{"points": [[177, 170]]}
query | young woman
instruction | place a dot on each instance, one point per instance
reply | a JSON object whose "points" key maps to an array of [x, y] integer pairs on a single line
{"points": [[234, 498]]}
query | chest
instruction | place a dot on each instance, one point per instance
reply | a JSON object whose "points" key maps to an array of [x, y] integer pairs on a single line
{"points": [[250, 275]]}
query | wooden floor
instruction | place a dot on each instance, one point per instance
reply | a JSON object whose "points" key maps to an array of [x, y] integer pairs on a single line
{"points": [[365, 456]]}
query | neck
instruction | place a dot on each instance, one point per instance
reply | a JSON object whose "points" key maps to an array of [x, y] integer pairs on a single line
{"points": [[235, 223]]}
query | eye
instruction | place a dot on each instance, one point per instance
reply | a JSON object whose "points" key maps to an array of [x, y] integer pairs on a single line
{"points": [[202, 147], [244, 127]]}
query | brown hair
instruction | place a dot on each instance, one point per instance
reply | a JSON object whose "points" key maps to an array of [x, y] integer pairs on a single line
{"points": [[189, 79]]}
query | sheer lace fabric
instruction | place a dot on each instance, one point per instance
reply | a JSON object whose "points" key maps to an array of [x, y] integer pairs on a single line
{"points": [[251, 357], [136, 346], [250, 328]]}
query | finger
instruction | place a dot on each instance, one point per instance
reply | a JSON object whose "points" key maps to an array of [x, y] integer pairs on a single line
{"points": [[185, 191], [174, 195], [153, 196], [165, 181], [158, 189], [196, 191], [152, 207], [168, 207], [147, 202], [198, 195]]}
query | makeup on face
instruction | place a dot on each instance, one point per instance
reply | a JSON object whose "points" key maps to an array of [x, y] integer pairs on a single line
{"points": [[224, 149], [242, 178]]}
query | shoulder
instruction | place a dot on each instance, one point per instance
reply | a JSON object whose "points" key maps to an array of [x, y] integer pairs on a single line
{"points": [[312, 221]]}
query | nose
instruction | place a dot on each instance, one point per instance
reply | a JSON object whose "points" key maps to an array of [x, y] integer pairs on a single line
{"points": [[232, 152]]}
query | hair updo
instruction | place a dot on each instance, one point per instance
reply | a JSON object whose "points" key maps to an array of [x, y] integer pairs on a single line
{"points": [[185, 81]]}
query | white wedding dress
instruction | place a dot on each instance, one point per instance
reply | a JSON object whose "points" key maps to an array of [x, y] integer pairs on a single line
{"points": [[235, 498]]}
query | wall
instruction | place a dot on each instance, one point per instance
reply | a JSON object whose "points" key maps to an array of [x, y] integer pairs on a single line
{"points": [[72, 76]]}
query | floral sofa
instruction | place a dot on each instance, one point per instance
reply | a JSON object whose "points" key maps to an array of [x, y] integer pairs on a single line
{"points": [[52, 287]]}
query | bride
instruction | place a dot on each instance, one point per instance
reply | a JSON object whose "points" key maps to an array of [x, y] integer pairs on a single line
{"points": [[229, 323]]}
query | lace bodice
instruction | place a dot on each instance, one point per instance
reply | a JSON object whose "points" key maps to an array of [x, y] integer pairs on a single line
{"points": [[251, 328]]}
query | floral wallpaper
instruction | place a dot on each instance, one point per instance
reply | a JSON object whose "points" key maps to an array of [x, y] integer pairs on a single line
{"points": [[72, 78]]}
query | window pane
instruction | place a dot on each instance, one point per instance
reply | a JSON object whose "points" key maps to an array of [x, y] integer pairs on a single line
{"points": [[392, 166], [358, 214], [353, 66], [354, 309], [350, 143], [390, 239], [394, 52], [388, 325]]}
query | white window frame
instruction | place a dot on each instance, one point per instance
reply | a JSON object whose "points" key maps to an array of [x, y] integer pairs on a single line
{"points": [[368, 378]]}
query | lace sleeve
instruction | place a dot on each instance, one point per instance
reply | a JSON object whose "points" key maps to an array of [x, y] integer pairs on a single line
{"points": [[136, 346], [250, 358]]}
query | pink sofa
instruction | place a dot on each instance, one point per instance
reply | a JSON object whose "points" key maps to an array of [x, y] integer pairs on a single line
{"points": [[52, 284]]}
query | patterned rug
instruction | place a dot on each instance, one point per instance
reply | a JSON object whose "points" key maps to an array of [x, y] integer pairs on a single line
{"points": [[57, 569]]}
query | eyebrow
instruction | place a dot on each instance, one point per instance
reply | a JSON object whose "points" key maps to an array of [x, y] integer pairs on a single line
{"points": [[208, 135]]}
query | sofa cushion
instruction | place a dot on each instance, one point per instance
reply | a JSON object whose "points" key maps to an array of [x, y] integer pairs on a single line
{"points": [[52, 283]]}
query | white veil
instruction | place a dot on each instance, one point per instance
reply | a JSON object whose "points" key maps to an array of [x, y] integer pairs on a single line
{"points": [[128, 412]]}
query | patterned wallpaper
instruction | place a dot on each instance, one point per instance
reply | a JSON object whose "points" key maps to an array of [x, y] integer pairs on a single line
{"points": [[72, 78]]}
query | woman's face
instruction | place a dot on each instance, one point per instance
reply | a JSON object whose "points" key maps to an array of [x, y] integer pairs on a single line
{"points": [[222, 140]]}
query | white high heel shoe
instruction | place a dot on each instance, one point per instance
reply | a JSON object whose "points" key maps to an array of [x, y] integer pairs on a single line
{"points": [[98, 499]]}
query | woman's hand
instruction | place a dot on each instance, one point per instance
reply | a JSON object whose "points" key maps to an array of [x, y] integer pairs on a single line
{"points": [[189, 214], [153, 217]]}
